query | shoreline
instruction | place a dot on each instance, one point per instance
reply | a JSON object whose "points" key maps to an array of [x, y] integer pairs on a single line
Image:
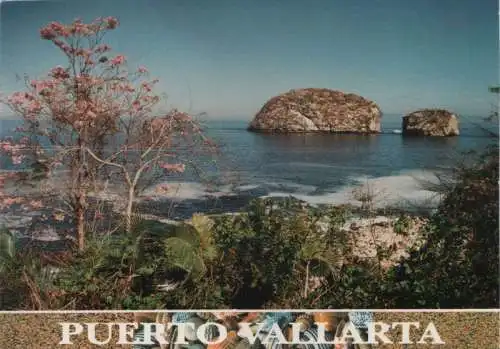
{"points": [[183, 199], [367, 230]]}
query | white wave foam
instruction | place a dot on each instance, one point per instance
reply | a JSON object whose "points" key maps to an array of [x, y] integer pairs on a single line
{"points": [[323, 199], [187, 191], [307, 164], [247, 187], [405, 188], [298, 188]]}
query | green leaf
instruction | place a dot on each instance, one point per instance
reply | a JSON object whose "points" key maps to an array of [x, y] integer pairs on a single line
{"points": [[182, 254], [7, 244]]}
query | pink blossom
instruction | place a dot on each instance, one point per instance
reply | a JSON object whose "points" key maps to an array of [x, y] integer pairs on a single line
{"points": [[120, 59], [58, 28], [6, 146], [36, 204], [176, 168], [150, 99], [102, 48], [162, 189], [34, 107], [136, 105], [47, 33], [122, 87], [147, 98], [10, 201], [80, 29], [42, 85], [142, 70], [146, 86], [128, 88], [111, 22], [18, 98], [17, 159], [59, 73], [91, 114], [82, 52], [209, 142], [63, 46], [97, 21]]}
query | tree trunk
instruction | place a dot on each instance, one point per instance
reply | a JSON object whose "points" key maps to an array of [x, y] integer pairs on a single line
{"points": [[80, 222], [79, 208], [306, 286], [128, 213]]}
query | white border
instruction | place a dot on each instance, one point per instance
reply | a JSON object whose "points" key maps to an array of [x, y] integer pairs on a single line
{"points": [[40, 312]]}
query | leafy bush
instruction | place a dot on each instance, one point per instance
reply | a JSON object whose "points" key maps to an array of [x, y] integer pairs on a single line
{"points": [[458, 266], [275, 247], [26, 281], [117, 271]]}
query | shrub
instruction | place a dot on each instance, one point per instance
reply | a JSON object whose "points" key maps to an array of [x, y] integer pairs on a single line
{"points": [[458, 266]]}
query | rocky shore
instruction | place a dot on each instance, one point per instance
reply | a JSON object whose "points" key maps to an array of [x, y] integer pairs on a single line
{"points": [[366, 233]]}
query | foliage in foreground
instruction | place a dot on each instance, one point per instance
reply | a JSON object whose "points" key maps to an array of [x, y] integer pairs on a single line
{"points": [[458, 267], [274, 254]]}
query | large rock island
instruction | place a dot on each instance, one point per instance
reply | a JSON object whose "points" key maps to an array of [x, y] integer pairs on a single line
{"points": [[317, 110], [430, 122]]}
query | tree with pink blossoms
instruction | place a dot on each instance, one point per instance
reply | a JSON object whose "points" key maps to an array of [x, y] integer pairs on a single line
{"points": [[151, 147], [84, 110]]}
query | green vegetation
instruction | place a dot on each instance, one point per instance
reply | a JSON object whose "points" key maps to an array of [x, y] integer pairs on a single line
{"points": [[458, 267], [276, 253]]}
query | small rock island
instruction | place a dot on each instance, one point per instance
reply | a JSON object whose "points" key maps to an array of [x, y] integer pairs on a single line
{"points": [[317, 110], [430, 122]]}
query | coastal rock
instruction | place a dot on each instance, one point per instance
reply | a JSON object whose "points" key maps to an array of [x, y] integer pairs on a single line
{"points": [[367, 235], [317, 110], [431, 122]]}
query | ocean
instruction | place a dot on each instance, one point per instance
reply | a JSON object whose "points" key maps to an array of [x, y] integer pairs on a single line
{"points": [[323, 168], [317, 168]]}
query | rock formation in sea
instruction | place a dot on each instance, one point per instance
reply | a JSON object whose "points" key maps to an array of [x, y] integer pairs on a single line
{"points": [[430, 122], [317, 110]]}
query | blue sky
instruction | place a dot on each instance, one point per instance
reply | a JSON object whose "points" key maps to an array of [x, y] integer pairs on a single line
{"points": [[227, 57]]}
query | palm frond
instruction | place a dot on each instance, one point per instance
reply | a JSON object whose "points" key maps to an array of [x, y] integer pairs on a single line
{"points": [[180, 253], [317, 251], [188, 233], [202, 224], [7, 244], [204, 227]]}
